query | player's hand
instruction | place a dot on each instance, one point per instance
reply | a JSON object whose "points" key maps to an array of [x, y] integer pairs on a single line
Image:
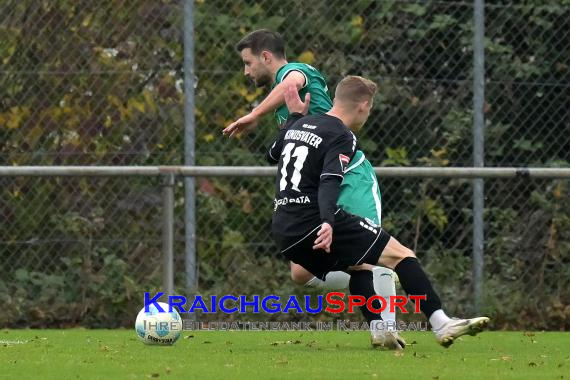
{"points": [[324, 238], [293, 101], [249, 120]]}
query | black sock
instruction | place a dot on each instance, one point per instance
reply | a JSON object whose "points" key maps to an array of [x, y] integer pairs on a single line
{"points": [[415, 282], [361, 284]]}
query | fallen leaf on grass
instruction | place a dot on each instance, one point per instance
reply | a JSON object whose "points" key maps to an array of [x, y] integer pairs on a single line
{"points": [[282, 361], [276, 343], [505, 358], [420, 356]]}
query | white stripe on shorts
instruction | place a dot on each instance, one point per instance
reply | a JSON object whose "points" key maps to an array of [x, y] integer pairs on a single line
{"points": [[303, 238]]}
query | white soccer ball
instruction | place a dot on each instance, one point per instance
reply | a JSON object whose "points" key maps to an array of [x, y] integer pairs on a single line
{"points": [[154, 327]]}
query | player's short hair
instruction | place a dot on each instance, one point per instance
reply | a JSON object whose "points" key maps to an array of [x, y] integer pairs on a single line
{"points": [[355, 89], [263, 39]]}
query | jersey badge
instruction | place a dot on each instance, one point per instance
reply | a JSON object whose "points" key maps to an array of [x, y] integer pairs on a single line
{"points": [[344, 160]]}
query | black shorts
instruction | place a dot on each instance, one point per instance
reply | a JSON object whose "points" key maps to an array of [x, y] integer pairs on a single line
{"points": [[355, 241]]}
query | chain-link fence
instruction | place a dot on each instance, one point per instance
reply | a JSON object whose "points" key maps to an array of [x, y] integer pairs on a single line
{"points": [[101, 84], [85, 83]]}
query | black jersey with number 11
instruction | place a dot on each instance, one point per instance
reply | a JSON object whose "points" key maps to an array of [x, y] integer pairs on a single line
{"points": [[313, 153]]}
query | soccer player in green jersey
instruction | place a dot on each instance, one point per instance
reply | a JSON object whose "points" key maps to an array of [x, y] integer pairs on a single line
{"points": [[263, 55]]}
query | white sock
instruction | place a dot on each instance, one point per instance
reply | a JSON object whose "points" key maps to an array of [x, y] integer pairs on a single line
{"points": [[438, 319], [333, 281], [384, 286]]}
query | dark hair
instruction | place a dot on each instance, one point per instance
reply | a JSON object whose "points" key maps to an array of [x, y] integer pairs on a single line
{"points": [[261, 40]]}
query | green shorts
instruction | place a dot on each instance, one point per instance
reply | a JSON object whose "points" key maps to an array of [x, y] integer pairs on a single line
{"points": [[359, 191]]}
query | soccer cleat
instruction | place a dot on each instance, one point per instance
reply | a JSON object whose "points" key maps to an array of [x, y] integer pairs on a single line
{"points": [[387, 340], [459, 327]]}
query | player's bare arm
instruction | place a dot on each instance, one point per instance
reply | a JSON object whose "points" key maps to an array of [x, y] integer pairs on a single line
{"points": [[275, 98]]}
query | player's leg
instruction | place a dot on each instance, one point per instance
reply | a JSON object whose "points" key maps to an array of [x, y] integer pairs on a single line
{"points": [[383, 279], [360, 195], [385, 286], [381, 335], [334, 280], [353, 239], [414, 281], [300, 275]]}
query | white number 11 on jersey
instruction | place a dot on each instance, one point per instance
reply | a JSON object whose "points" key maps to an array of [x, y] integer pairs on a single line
{"points": [[301, 154]]}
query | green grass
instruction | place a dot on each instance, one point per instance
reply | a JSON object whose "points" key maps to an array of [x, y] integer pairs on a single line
{"points": [[117, 354]]}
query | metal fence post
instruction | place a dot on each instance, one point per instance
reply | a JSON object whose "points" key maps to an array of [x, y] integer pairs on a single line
{"points": [[168, 234], [189, 149], [478, 149]]}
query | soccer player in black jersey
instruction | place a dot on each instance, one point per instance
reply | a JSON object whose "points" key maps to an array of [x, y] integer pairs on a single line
{"points": [[312, 153]]}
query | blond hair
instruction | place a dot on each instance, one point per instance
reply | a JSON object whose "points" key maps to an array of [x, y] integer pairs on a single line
{"points": [[355, 89]]}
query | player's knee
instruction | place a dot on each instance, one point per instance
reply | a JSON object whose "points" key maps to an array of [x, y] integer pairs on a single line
{"points": [[299, 275], [409, 253], [403, 255], [298, 278], [393, 253]]}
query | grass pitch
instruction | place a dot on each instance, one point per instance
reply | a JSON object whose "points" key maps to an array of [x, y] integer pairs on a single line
{"points": [[117, 354]]}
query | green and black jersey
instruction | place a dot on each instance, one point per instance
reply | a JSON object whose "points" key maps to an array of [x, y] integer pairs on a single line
{"points": [[359, 192]]}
